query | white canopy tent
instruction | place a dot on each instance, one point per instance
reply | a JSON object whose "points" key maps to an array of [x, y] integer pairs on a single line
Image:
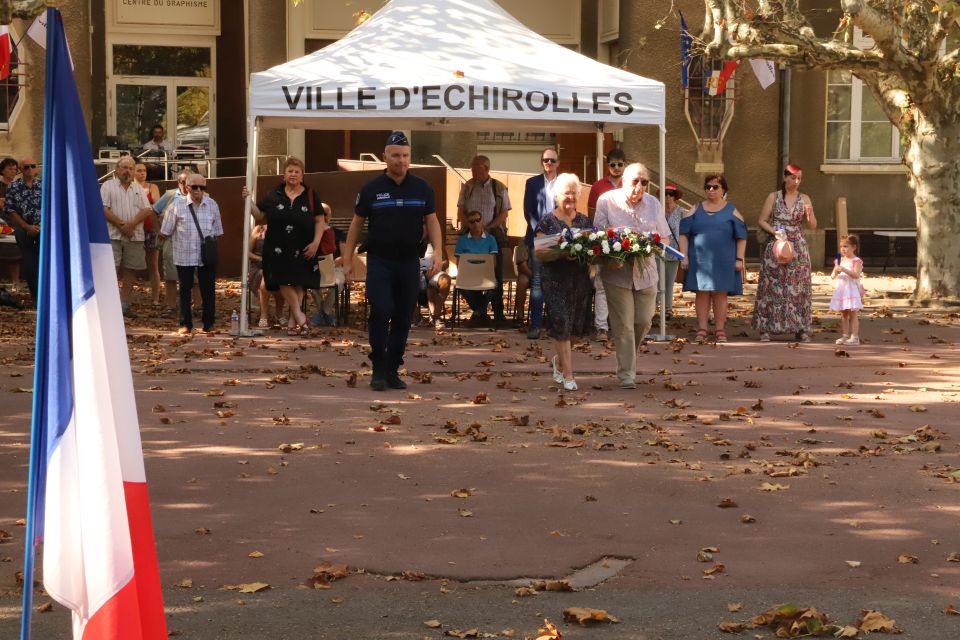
{"points": [[463, 65]]}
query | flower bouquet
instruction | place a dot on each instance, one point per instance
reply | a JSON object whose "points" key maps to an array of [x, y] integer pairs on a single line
{"points": [[620, 244], [571, 243]]}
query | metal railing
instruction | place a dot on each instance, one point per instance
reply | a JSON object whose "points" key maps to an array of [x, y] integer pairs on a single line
{"points": [[187, 161]]}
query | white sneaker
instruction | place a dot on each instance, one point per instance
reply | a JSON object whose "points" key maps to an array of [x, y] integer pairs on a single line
{"points": [[569, 385], [557, 376], [764, 337], [842, 339], [852, 341]]}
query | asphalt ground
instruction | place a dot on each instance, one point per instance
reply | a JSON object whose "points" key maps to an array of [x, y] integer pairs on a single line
{"points": [[434, 504]]}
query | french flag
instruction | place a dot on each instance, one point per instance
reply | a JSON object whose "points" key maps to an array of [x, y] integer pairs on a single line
{"points": [[87, 497]]}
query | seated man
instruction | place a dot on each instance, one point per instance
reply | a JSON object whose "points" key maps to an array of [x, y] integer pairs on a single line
{"points": [[522, 258], [434, 288], [477, 241]]}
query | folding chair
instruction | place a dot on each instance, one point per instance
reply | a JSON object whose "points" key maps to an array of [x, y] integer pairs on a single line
{"points": [[475, 272]]}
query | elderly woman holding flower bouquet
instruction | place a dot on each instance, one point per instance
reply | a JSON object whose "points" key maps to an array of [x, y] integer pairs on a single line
{"points": [[565, 278], [631, 284]]}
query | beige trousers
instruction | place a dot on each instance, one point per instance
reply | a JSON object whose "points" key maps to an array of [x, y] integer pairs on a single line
{"points": [[631, 314]]}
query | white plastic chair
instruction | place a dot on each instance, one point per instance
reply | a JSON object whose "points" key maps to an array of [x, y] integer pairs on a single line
{"points": [[475, 272]]}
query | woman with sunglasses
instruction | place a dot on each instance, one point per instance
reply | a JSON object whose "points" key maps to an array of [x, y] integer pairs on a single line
{"points": [[295, 226], [784, 293], [714, 238]]}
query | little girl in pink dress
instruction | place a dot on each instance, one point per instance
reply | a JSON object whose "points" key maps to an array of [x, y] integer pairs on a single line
{"points": [[848, 296]]}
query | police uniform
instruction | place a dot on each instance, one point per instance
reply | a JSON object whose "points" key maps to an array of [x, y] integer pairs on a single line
{"points": [[395, 215]]}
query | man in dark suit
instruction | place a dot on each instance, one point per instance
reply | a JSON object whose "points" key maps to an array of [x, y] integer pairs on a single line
{"points": [[537, 202]]}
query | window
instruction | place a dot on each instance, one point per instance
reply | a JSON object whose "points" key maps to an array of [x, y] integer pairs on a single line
{"points": [[857, 127]]}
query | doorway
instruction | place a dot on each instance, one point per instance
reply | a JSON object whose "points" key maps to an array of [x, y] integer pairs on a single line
{"points": [[172, 86]]}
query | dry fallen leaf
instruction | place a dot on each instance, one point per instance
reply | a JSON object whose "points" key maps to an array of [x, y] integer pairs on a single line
{"points": [[549, 631], [255, 554], [432, 624], [461, 493], [465, 513], [904, 558], [585, 614], [727, 503], [773, 486], [733, 607], [252, 587], [186, 583], [874, 621], [951, 610], [853, 564]]}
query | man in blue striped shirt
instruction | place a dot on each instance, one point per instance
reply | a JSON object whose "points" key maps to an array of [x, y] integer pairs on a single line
{"points": [[396, 206]]}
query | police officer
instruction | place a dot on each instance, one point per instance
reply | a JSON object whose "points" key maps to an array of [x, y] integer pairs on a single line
{"points": [[395, 206]]}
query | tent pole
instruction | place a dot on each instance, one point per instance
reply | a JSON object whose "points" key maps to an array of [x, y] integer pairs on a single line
{"points": [[252, 152], [663, 337], [599, 151]]}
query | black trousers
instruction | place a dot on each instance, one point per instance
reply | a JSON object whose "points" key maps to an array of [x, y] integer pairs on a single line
{"points": [[208, 286], [392, 289], [29, 259]]}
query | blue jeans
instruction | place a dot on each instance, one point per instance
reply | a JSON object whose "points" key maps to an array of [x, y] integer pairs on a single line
{"points": [[536, 293], [392, 289], [479, 300]]}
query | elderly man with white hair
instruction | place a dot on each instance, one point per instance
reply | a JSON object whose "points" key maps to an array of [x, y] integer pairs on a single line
{"points": [[126, 206], [632, 289]]}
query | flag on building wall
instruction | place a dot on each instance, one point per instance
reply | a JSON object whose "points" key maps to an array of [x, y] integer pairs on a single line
{"points": [[686, 41], [765, 70], [716, 82], [5, 50], [87, 497]]}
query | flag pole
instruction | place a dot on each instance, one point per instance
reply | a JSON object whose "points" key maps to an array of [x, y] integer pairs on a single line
{"points": [[37, 439]]}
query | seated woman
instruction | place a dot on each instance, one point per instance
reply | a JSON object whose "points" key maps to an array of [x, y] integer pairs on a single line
{"points": [[477, 241]]}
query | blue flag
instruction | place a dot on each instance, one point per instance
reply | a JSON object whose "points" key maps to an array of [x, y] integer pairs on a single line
{"points": [[686, 42], [86, 498]]}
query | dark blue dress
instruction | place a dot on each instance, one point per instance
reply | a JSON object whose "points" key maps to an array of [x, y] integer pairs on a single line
{"points": [[712, 250]]}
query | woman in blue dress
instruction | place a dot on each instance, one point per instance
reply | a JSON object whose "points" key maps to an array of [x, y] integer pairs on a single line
{"points": [[714, 238]]}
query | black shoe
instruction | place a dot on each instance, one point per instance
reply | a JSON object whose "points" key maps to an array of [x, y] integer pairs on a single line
{"points": [[533, 333], [394, 381], [378, 383]]}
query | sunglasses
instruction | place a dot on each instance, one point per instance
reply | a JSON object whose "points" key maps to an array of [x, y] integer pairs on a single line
{"points": [[643, 181], [615, 165], [198, 187], [28, 166], [549, 160], [711, 187], [672, 194]]}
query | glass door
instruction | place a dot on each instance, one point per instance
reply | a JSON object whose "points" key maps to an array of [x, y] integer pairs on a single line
{"points": [[172, 86]]}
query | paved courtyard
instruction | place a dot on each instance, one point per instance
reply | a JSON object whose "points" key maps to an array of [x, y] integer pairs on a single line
{"points": [[736, 477]]}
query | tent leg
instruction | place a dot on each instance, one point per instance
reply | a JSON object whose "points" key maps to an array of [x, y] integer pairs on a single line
{"points": [[663, 207], [600, 152], [252, 152]]}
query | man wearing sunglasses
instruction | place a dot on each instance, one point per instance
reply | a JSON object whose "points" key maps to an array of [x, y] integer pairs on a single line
{"points": [[126, 206], [191, 220], [616, 161], [168, 269], [631, 288], [537, 202], [22, 210]]}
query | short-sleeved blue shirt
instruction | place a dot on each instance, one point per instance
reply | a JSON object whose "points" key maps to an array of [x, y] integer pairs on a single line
{"points": [[395, 214], [468, 244]]}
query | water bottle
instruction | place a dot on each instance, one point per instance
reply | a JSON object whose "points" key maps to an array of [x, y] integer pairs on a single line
{"points": [[234, 322]]}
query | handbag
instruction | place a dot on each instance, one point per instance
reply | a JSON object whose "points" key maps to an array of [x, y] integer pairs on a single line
{"points": [[783, 250], [208, 244]]}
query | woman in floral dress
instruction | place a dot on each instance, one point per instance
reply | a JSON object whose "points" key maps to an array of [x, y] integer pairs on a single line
{"points": [[784, 291]]}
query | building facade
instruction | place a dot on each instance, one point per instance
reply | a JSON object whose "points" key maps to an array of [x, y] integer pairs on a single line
{"points": [[185, 65]]}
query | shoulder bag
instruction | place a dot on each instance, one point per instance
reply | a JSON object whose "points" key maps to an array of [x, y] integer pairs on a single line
{"points": [[208, 244]]}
